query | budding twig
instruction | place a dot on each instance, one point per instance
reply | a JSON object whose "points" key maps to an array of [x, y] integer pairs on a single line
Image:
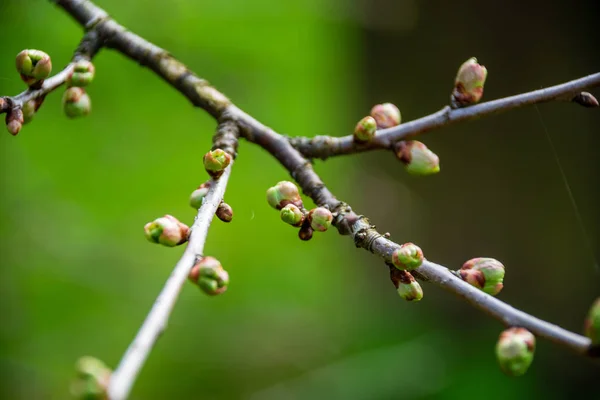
{"points": [[156, 322]]}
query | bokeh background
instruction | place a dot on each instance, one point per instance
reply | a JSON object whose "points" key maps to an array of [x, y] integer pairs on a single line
{"points": [[314, 320]]}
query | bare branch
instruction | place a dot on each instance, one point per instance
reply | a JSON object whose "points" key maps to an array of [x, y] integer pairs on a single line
{"points": [[328, 146], [155, 323]]}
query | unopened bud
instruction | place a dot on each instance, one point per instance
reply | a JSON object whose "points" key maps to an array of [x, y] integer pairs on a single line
{"points": [[386, 115], [92, 379], [14, 120], [76, 102], [167, 230], [320, 219], [199, 194], [515, 350], [417, 158], [224, 212], [408, 257], [484, 273], [292, 215], [282, 194], [592, 323], [82, 74], [33, 65], [468, 85], [407, 286], [28, 111], [215, 162], [209, 275], [586, 99], [365, 129], [306, 232]]}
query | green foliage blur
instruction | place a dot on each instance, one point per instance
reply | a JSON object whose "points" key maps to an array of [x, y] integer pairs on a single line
{"points": [[301, 320]]}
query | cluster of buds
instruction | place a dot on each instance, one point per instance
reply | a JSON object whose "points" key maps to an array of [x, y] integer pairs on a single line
{"points": [[417, 158], [407, 257], [514, 351], [468, 85], [486, 274], [382, 116], [215, 162], [285, 197], [34, 66], [76, 102], [167, 230], [592, 323], [407, 286], [92, 379], [209, 276]]}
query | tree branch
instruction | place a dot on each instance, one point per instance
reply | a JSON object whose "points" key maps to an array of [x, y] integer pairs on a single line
{"points": [[328, 146], [155, 323]]}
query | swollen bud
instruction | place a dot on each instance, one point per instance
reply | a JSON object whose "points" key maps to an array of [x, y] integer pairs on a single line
{"points": [[320, 219], [515, 350], [209, 275], [215, 162], [199, 194], [468, 85], [76, 102], [592, 323], [167, 230], [224, 212], [92, 379], [408, 257], [14, 120], [417, 158], [33, 65], [292, 215], [365, 130], [386, 115], [282, 194], [82, 74], [29, 109], [407, 286], [486, 274]]}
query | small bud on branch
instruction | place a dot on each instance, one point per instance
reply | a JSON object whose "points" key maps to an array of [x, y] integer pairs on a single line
{"points": [[76, 102], [417, 158], [14, 121], [215, 162], [386, 115], [514, 351], [408, 257], [82, 74], [406, 285], [468, 85], [92, 379], [484, 273], [592, 323], [306, 231], [365, 130], [320, 219], [586, 99], [199, 194], [224, 212], [208, 274], [34, 66], [282, 194], [292, 215], [167, 230]]}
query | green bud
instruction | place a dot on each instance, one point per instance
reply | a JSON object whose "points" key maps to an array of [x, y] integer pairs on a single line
{"points": [[320, 219], [82, 74], [167, 230], [76, 102], [199, 194], [209, 276], [386, 115], [215, 162], [92, 379], [365, 129], [417, 158], [14, 120], [408, 257], [407, 286], [292, 215], [486, 274], [468, 85], [29, 108], [515, 350], [224, 212], [282, 194], [33, 65], [592, 323]]}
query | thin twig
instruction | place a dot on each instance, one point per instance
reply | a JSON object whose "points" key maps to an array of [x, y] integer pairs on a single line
{"points": [[156, 322], [328, 146]]}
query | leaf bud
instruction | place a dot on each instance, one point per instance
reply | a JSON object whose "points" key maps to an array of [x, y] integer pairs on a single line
{"points": [[167, 230], [514, 351]]}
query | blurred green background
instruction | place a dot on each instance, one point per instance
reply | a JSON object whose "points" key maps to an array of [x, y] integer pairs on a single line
{"points": [[301, 320]]}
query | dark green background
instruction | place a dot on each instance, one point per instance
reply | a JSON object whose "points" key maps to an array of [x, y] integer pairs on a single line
{"points": [[320, 319]]}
